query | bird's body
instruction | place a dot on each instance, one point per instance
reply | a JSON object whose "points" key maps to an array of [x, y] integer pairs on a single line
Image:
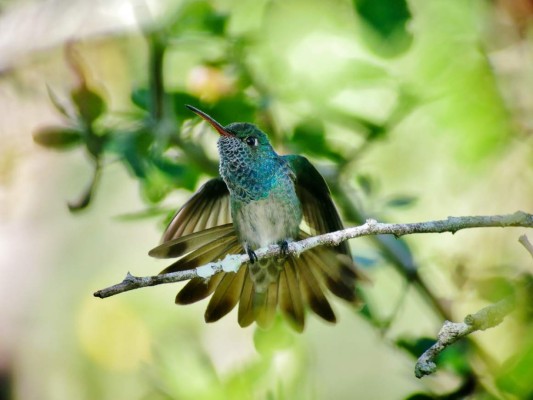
{"points": [[264, 206], [261, 200]]}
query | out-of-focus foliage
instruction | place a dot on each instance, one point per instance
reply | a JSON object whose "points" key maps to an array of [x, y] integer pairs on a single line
{"points": [[388, 19], [409, 110]]}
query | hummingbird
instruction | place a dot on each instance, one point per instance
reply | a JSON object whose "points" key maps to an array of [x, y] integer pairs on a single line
{"points": [[260, 199]]}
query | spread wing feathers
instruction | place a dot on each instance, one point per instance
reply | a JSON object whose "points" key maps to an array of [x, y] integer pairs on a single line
{"points": [[319, 212], [197, 289], [208, 207], [186, 244]]}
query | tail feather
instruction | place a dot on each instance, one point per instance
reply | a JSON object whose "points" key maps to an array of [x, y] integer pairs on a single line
{"points": [[290, 297], [295, 284], [264, 305], [312, 289], [246, 313], [338, 277]]}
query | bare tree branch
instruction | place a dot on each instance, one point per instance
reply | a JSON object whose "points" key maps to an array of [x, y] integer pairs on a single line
{"points": [[232, 263], [451, 332]]}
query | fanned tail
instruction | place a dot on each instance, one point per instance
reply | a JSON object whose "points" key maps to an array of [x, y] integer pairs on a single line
{"points": [[293, 284], [290, 296]]}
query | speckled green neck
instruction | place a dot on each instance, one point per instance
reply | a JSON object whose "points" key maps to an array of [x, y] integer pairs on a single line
{"points": [[251, 172]]}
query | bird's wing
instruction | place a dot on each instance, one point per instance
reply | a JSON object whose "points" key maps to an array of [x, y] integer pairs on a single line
{"points": [[205, 218], [201, 230], [321, 267], [209, 207], [319, 212]]}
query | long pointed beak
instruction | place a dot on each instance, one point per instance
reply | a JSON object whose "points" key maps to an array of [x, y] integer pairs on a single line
{"points": [[220, 129]]}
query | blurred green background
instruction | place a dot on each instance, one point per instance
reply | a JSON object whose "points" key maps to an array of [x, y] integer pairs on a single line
{"points": [[413, 110]]}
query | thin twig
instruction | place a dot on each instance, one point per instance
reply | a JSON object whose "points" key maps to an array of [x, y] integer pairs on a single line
{"points": [[524, 241], [451, 332], [371, 227]]}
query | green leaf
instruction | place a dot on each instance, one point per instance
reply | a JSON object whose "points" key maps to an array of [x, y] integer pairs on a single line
{"points": [[55, 101], [58, 138], [90, 105], [420, 396], [82, 202], [199, 16], [236, 108], [155, 187], [401, 201], [397, 250], [516, 376], [455, 358], [95, 143], [215, 22], [141, 98], [147, 213], [494, 288], [366, 183], [413, 346], [388, 19], [310, 134], [178, 175], [180, 99], [375, 131], [367, 311], [86, 196], [161, 176], [168, 167], [365, 262], [133, 148], [385, 16], [135, 163], [309, 137]]}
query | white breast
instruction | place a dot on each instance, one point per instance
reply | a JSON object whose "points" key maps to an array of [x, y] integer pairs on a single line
{"points": [[264, 222]]}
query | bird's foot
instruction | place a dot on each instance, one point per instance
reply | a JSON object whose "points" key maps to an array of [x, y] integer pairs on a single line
{"points": [[251, 254], [284, 247]]}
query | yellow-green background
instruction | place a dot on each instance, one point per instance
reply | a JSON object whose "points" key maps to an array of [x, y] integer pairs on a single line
{"points": [[465, 149]]}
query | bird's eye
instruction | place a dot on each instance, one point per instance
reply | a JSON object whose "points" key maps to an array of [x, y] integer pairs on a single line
{"points": [[251, 141]]}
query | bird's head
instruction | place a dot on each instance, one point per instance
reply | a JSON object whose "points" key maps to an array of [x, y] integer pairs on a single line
{"points": [[240, 143]]}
